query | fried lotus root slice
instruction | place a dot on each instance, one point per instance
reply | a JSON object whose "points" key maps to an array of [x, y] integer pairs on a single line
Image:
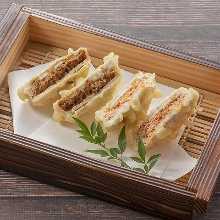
{"points": [[95, 91], [131, 105], [170, 116], [62, 73]]}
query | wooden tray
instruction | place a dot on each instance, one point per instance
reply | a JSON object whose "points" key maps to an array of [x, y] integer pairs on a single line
{"points": [[29, 37]]}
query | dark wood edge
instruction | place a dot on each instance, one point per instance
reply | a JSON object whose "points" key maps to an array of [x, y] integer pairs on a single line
{"points": [[206, 172], [122, 38], [36, 146], [94, 177], [200, 206], [10, 28]]}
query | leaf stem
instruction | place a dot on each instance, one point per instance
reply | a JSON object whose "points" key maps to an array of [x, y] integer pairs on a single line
{"points": [[102, 145], [116, 158], [95, 134]]}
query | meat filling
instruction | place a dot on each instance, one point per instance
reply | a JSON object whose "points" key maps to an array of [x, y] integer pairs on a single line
{"points": [[126, 97], [91, 87], [148, 127], [40, 85]]}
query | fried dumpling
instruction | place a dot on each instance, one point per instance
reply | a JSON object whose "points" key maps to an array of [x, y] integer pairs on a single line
{"points": [[130, 106], [62, 73], [97, 89], [170, 116]]}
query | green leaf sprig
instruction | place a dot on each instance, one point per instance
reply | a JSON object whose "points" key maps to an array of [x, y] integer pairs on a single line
{"points": [[95, 134], [141, 158]]}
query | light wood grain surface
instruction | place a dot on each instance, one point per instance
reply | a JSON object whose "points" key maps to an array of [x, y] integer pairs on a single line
{"points": [[192, 26]]}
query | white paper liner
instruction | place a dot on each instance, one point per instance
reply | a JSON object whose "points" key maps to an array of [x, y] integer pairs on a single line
{"points": [[37, 124]]}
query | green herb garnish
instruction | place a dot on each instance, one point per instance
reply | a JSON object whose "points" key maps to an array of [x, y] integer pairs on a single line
{"points": [[95, 134], [147, 164]]}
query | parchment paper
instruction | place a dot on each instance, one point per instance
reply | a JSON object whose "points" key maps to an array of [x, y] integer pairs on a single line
{"points": [[37, 124]]}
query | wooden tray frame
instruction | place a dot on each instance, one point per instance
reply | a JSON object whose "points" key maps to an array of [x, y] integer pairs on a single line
{"points": [[76, 172]]}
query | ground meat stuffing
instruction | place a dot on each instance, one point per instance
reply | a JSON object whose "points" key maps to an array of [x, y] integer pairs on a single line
{"points": [[126, 97], [147, 128], [40, 85], [91, 87]]}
